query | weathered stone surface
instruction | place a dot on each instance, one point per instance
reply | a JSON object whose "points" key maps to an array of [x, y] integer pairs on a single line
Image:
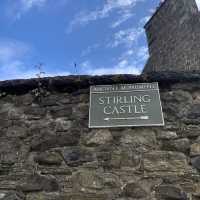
{"points": [[125, 157], [98, 137], [194, 112], [196, 97], [63, 124], [54, 170], [141, 139], [13, 196], [69, 83], [85, 179], [5, 123], [76, 156], [44, 196], [165, 161], [191, 130], [5, 168], [34, 111], [56, 196], [166, 135], [48, 158], [195, 149], [26, 100], [197, 190], [48, 151], [60, 140], [174, 46], [180, 145], [60, 111], [52, 100], [80, 111], [170, 192], [9, 150], [89, 196], [17, 131], [176, 104], [2, 195], [196, 162], [36, 183], [134, 190]]}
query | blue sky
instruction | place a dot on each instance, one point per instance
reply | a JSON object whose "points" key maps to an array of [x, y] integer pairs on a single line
{"points": [[100, 36]]}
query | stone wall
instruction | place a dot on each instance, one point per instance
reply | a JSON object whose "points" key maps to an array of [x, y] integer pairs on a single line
{"points": [[173, 37], [47, 151]]}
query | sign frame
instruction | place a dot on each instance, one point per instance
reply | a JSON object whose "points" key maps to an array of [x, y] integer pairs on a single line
{"points": [[127, 125]]}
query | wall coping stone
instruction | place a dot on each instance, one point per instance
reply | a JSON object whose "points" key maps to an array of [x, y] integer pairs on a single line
{"points": [[73, 83]]}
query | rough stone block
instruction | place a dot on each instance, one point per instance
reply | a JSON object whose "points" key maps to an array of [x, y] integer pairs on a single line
{"points": [[98, 137], [165, 161], [85, 180], [170, 192], [166, 135], [195, 149], [13, 195], [140, 139], [17, 131], [48, 158], [64, 139], [62, 124], [37, 183], [196, 162], [180, 145], [134, 190], [77, 156]]}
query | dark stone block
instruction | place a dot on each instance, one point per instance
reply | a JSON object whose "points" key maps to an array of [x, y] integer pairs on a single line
{"points": [[13, 195], [45, 158], [181, 145], [76, 156], [37, 183], [170, 192], [5, 168], [60, 111], [134, 190], [61, 140], [35, 110], [196, 162], [194, 112]]}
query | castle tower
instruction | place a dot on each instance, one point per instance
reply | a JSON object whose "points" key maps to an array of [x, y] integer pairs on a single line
{"points": [[173, 35]]}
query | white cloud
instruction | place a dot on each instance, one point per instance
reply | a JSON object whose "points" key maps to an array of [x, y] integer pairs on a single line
{"points": [[12, 50], [18, 70], [13, 61], [123, 18], [16, 9], [15, 70], [144, 20], [58, 73], [127, 37], [136, 56], [198, 4], [12, 53], [28, 4], [122, 67], [142, 53], [89, 49], [124, 6], [114, 70]]}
